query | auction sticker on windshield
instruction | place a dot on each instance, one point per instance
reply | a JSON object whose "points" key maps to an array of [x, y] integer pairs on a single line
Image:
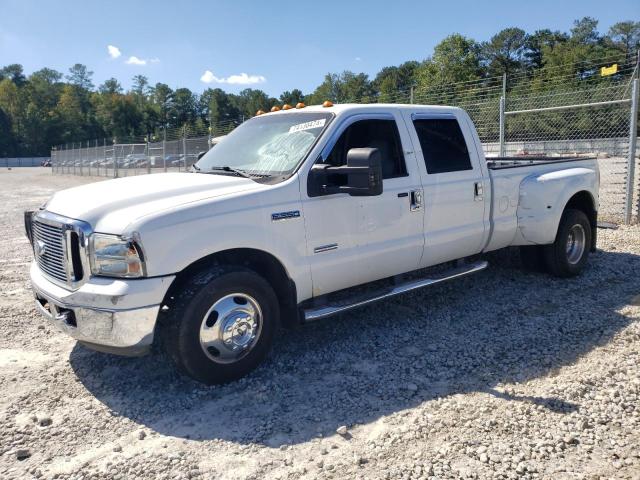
{"points": [[308, 125]]}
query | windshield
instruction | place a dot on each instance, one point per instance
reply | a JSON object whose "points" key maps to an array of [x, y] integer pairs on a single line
{"points": [[269, 145]]}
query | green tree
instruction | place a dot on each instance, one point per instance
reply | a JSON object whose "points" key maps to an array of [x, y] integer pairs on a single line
{"points": [[292, 97], [504, 52], [183, 109], [140, 85], [394, 83], [80, 76], [7, 138], [13, 72], [455, 59], [626, 35], [537, 42], [162, 98], [110, 86]]}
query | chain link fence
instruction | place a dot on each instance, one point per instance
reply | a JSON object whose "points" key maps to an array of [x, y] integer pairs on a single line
{"points": [[546, 113]]}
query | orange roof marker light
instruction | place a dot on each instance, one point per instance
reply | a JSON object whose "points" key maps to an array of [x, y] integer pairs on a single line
{"points": [[286, 106], [300, 105], [259, 112], [275, 108], [327, 104]]}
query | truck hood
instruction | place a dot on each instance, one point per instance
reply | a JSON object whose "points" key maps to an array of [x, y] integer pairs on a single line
{"points": [[110, 206]]}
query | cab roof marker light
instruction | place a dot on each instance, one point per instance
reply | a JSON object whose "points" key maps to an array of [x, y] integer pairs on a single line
{"points": [[327, 104], [259, 112], [275, 108], [286, 106], [300, 105]]}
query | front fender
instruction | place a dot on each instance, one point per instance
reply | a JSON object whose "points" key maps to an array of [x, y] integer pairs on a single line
{"points": [[174, 241]]}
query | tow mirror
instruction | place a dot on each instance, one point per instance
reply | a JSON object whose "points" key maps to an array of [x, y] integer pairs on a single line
{"points": [[363, 171]]}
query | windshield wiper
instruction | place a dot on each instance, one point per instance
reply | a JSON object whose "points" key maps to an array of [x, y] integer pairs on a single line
{"points": [[227, 168]]}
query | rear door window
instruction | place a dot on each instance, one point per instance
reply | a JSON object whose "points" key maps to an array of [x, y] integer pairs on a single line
{"points": [[443, 145]]}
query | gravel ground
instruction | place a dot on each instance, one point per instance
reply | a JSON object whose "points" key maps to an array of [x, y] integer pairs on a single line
{"points": [[504, 374]]}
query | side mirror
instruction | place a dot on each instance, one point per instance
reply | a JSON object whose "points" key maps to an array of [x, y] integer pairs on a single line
{"points": [[201, 154], [363, 173]]}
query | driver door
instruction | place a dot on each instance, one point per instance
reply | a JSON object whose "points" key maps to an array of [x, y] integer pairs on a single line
{"points": [[353, 240]]}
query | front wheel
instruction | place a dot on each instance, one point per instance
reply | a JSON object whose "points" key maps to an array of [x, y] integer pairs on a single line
{"points": [[221, 324], [567, 256]]}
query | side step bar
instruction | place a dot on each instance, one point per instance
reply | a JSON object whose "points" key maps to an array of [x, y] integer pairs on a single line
{"points": [[316, 313]]}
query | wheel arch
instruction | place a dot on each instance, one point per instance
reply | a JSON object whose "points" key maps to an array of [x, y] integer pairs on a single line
{"points": [[263, 263], [584, 201]]}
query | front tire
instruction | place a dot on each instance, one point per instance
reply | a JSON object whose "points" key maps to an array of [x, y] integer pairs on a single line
{"points": [[568, 255], [221, 324]]}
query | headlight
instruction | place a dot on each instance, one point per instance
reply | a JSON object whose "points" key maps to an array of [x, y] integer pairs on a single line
{"points": [[113, 256]]}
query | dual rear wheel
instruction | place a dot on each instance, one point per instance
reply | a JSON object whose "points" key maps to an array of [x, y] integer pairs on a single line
{"points": [[567, 256]]}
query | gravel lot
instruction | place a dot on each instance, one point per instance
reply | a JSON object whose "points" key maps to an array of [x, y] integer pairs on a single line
{"points": [[504, 374]]}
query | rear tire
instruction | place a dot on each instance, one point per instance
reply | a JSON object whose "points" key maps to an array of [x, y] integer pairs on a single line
{"points": [[568, 254], [221, 324]]}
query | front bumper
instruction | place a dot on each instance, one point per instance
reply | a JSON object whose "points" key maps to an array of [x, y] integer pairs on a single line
{"points": [[106, 314]]}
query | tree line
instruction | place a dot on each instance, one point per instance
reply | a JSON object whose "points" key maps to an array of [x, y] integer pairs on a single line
{"points": [[49, 108]]}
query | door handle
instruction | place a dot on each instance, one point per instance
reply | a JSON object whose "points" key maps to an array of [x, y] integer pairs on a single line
{"points": [[478, 191], [416, 200]]}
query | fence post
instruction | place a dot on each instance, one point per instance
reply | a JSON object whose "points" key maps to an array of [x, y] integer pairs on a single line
{"points": [[631, 160], [184, 148], [164, 152], [115, 161], [147, 155], [502, 118]]}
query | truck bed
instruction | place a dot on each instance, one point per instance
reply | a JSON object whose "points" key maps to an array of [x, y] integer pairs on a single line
{"points": [[499, 163]]}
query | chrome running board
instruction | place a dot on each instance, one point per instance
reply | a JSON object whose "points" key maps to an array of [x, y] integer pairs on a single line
{"points": [[316, 313]]}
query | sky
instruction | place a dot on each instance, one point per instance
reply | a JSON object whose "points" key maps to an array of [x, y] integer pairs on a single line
{"points": [[273, 45]]}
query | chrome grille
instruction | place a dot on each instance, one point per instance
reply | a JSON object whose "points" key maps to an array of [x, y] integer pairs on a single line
{"points": [[50, 249]]}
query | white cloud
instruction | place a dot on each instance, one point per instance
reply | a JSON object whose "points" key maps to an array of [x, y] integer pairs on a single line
{"points": [[133, 60], [241, 79], [358, 59], [114, 52]]}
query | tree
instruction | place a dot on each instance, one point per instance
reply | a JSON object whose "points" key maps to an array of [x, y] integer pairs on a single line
{"points": [[183, 108], [504, 52], [7, 138], [162, 97], [585, 31], [13, 72], [140, 85], [10, 99], [46, 75], [292, 97], [80, 77], [110, 86], [394, 83], [537, 42], [69, 111], [455, 59], [250, 100], [626, 35]]}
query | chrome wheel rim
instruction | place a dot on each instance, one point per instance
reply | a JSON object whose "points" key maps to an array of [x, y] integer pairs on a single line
{"points": [[576, 242], [231, 328]]}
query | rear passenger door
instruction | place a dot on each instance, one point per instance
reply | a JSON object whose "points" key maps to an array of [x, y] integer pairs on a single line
{"points": [[453, 183]]}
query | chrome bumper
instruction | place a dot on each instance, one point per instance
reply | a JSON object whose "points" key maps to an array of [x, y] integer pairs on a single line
{"points": [[124, 331]]}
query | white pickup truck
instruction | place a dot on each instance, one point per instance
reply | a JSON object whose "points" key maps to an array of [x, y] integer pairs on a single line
{"points": [[278, 223]]}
